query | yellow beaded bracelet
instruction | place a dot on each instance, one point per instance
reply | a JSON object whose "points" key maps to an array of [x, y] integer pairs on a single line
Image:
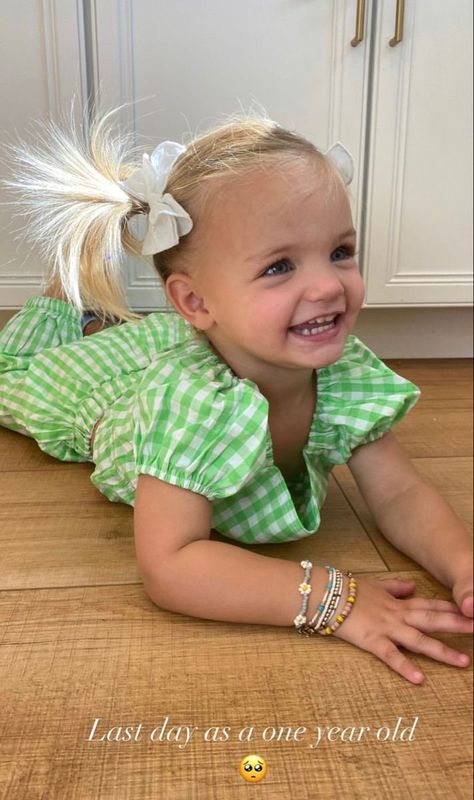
{"points": [[350, 601]]}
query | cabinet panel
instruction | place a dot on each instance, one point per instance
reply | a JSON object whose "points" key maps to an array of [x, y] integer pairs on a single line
{"points": [[418, 245], [41, 69], [185, 65]]}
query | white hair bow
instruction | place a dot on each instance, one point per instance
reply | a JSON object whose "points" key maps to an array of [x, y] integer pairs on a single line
{"points": [[167, 220], [342, 159]]}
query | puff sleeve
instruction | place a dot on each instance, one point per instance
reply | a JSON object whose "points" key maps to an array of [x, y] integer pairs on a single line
{"points": [[201, 434], [361, 399]]}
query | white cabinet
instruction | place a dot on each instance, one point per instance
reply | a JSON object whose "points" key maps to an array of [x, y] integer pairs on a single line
{"points": [[418, 245], [404, 111], [41, 68]]}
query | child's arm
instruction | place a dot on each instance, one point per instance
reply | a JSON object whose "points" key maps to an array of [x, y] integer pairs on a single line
{"points": [[184, 571], [414, 517]]}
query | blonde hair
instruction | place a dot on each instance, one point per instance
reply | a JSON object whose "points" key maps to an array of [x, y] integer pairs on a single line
{"points": [[68, 187]]}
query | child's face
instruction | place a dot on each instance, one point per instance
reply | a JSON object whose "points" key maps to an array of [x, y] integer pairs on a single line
{"points": [[252, 297]]}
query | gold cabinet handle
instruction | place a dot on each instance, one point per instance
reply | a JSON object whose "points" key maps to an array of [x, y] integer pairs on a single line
{"points": [[360, 20], [398, 24]]}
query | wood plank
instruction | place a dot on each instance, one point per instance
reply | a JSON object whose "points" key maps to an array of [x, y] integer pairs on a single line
{"points": [[67, 484], [441, 373], [68, 550], [18, 452], [445, 383], [70, 656], [441, 423], [435, 432], [56, 529], [452, 477]]}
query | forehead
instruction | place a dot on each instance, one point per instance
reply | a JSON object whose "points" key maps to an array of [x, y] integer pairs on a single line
{"points": [[278, 184], [278, 196]]}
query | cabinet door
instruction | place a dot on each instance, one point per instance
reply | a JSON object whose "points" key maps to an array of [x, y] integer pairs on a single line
{"points": [[184, 65], [419, 204], [41, 68]]}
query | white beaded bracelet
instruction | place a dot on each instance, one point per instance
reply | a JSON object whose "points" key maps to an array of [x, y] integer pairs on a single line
{"points": [[304, 589]]}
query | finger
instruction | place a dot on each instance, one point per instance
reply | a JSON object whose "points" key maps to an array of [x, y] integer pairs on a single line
{"points": [[418, 642], [389, 653], [467, 606], [436, 605], [462, 595], [396, 587], [430, 620]]}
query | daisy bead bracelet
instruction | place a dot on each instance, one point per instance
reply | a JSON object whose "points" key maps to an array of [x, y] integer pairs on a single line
{"points": [[328, 605], [304, 589]]}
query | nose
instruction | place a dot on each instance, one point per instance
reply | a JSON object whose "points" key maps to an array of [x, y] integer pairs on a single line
{"points": [[323, 283]]}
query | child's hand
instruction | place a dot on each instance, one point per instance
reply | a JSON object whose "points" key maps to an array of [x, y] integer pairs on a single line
{"points": [[463, 593], [381, 623]]}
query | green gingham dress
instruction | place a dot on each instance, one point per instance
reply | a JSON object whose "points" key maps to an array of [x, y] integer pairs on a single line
{"points": [[169, 407]]}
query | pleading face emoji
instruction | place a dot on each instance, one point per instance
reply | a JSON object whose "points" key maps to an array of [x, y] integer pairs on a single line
{"points": [[253, 768]]}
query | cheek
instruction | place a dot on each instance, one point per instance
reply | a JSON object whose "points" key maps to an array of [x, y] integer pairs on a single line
{"points": [[357, 290], [275, 305]]}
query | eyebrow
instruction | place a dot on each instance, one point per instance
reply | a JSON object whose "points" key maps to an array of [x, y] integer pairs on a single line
{"points": [[255, 256]]}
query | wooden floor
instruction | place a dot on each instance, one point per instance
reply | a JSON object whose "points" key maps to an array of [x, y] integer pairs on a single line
{"points": [[79, 642]]}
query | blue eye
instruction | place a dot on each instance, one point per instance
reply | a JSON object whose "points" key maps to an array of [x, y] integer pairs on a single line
{"points": [[282, 263], [347, 252]]}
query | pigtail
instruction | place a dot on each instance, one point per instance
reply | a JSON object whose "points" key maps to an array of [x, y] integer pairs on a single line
{"points": [[68, 187]]}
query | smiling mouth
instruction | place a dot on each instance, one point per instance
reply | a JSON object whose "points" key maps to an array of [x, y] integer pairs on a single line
{"points": [[316, 325]]}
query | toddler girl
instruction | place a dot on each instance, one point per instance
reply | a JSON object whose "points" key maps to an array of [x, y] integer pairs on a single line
{"points": [[230, 413]]}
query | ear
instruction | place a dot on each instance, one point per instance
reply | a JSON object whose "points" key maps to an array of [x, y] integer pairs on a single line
{"points": [[184, 296]]}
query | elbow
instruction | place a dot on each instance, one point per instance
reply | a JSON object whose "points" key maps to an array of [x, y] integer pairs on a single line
{"points": [[158, 585], [154, 591]]}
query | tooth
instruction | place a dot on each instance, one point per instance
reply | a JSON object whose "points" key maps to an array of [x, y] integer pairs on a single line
{"points": [[308, 331], [324, 319]]}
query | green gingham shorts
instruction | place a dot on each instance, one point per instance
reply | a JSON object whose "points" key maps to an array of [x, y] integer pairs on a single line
{"points": [[56, 384]]}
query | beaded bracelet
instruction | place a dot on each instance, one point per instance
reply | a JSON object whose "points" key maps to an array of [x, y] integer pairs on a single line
{"points": [[351, 599], [332, 603], [320, 610], [329, 603], [304, 589], [309, 628]]}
